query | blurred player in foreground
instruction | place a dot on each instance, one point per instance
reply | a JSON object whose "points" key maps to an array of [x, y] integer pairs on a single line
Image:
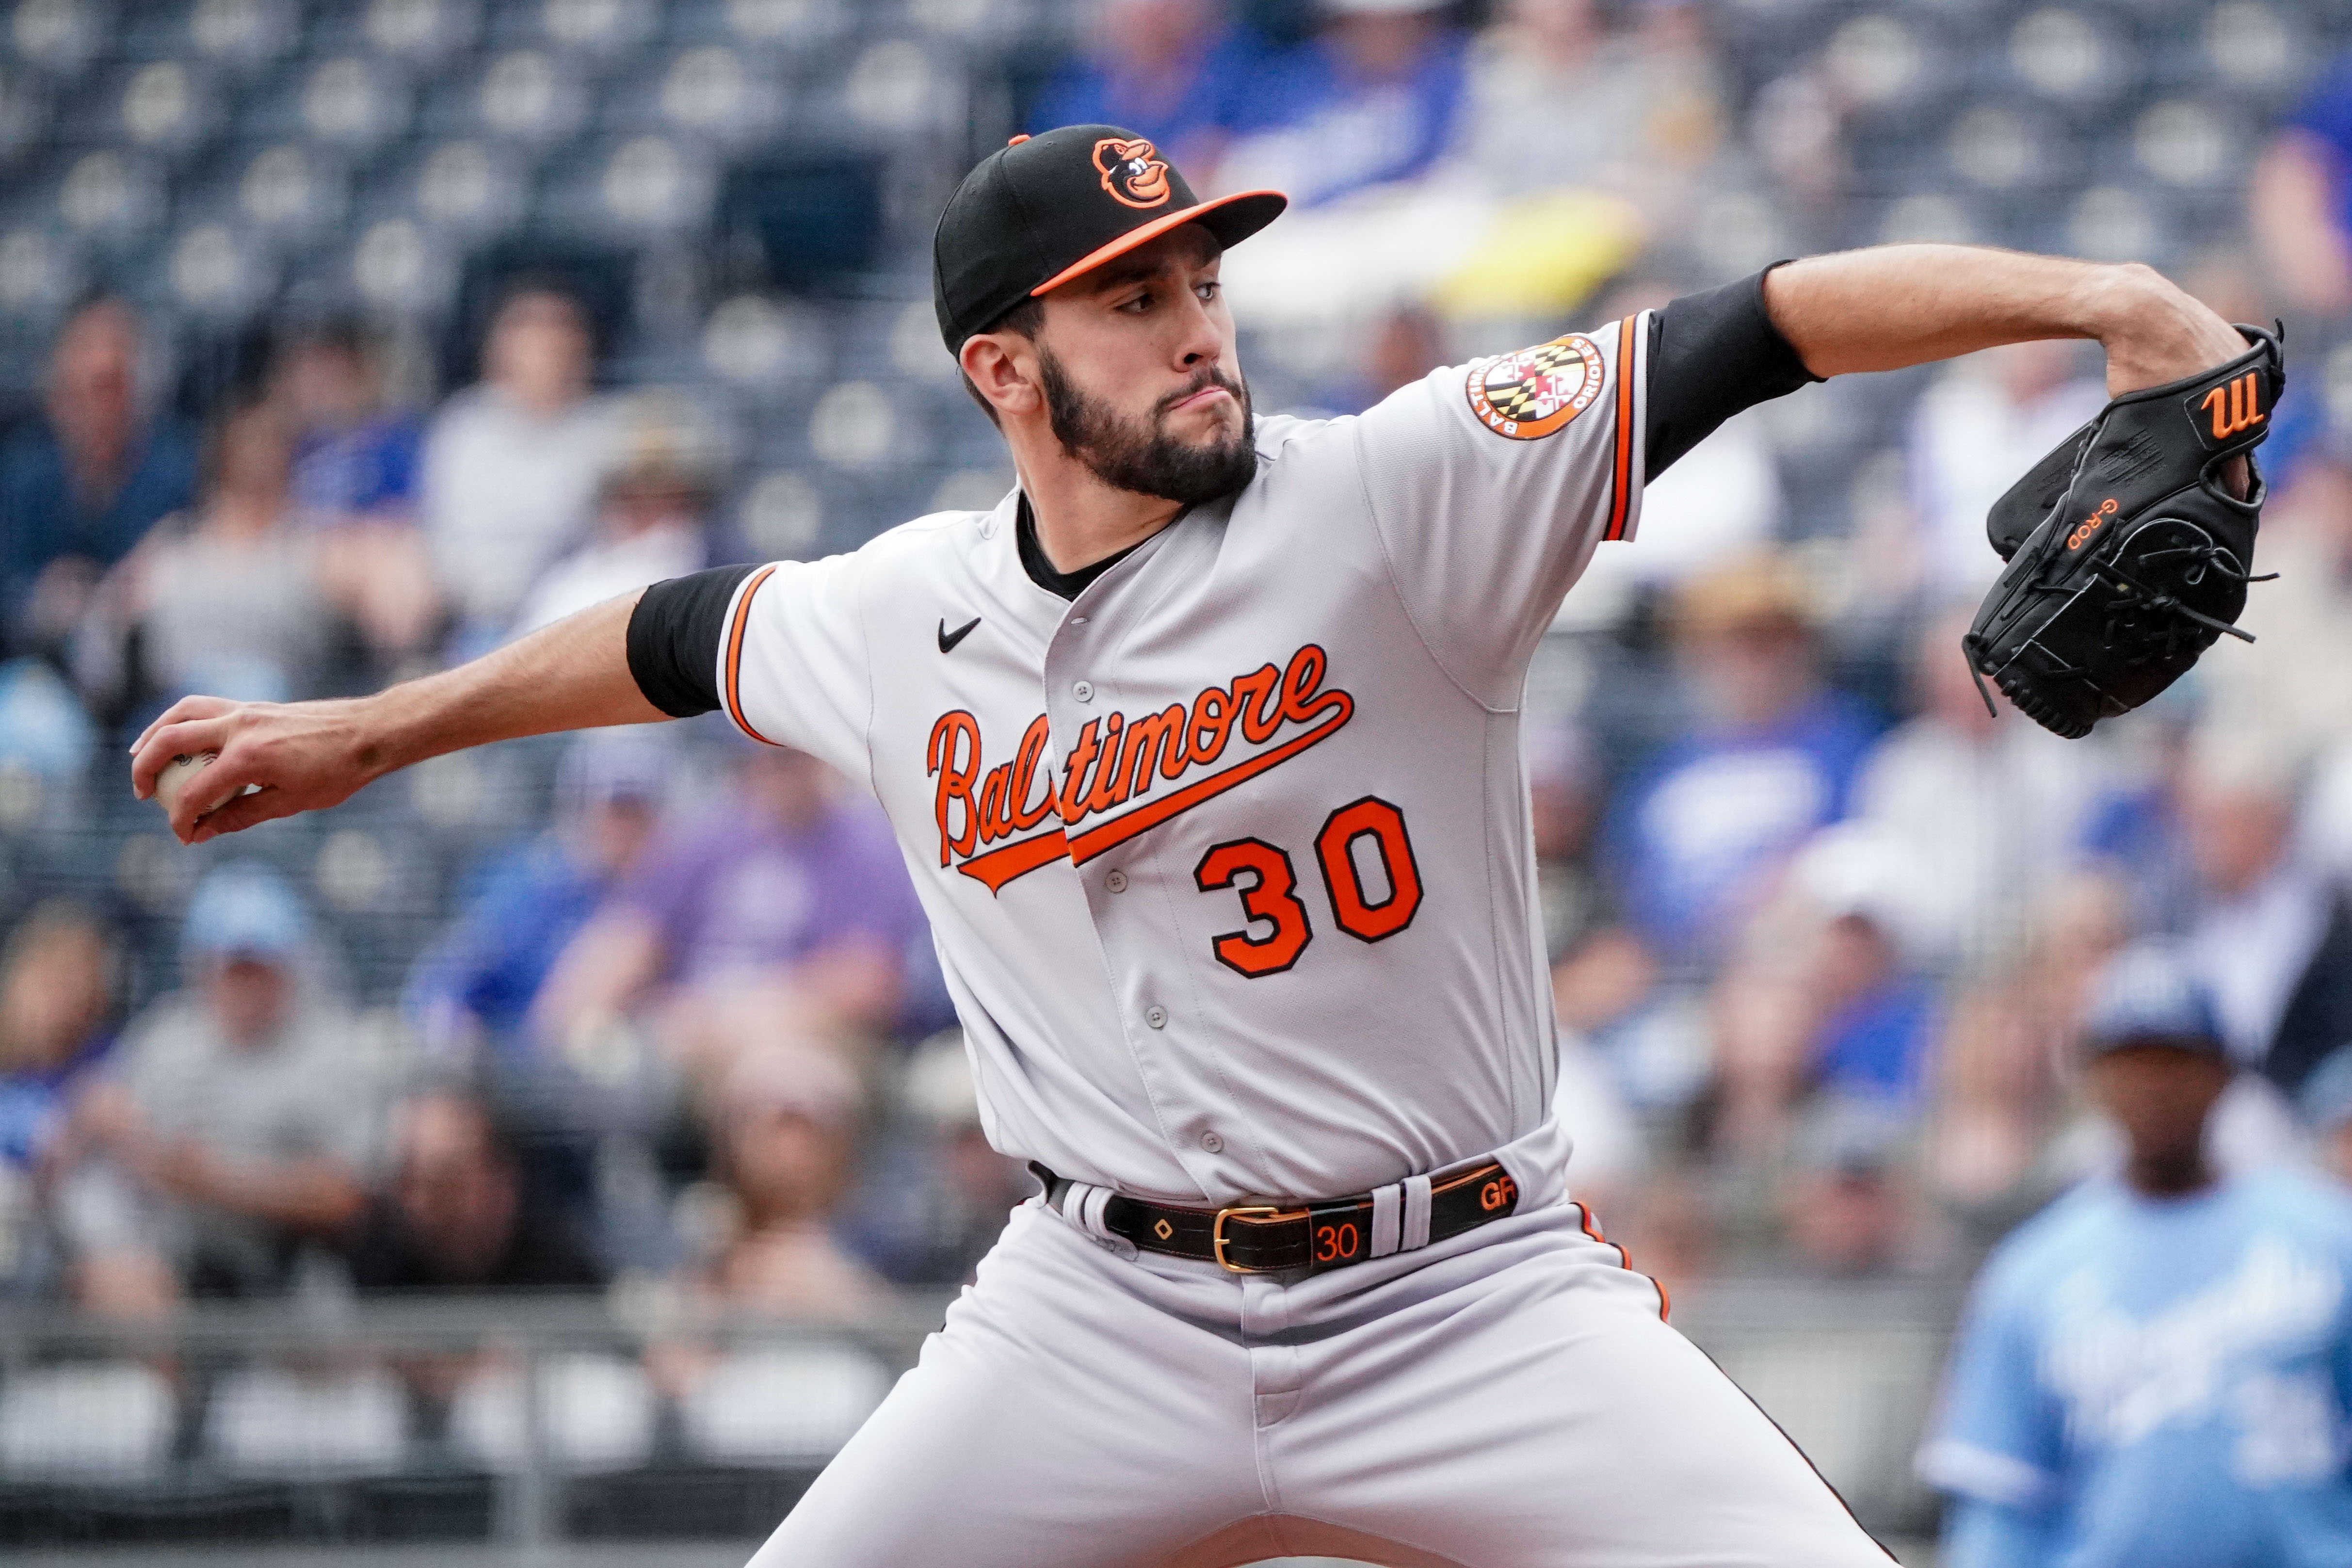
{"points": [[2156, 1372], [1202, 747]]}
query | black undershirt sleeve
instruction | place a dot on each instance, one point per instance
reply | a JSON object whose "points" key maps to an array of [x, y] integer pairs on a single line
{"points": [[1712, 355], [673, 638]]}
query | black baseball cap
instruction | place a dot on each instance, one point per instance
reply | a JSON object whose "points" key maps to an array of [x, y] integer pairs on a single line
{"points": [[1044, 209]]}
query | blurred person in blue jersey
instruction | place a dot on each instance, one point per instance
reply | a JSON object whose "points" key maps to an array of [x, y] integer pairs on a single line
{"points": [[471, 991], [2156, 1372], [1176, 72], [354, 475], [81, 486], [1767, 757]]}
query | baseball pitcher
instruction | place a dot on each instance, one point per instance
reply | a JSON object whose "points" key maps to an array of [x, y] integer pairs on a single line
{"points": [[1202, 747]]}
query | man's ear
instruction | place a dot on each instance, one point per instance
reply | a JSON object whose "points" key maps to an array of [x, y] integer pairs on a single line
{"points": [[1002, 368]]}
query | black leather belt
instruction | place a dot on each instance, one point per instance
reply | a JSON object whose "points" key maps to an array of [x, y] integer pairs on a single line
{"points": [[1266, 1239]]}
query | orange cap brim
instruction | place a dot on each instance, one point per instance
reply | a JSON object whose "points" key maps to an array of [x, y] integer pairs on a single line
{"points": [[1240, 222]]}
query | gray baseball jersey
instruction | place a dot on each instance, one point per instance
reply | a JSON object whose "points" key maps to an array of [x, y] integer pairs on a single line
{"points": [[1228, 860]]}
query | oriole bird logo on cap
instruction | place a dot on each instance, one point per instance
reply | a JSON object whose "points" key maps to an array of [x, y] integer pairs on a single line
{"points": [[1132, 172]]}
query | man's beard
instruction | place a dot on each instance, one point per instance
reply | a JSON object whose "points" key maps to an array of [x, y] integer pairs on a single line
{"points": [[1145, 459]]}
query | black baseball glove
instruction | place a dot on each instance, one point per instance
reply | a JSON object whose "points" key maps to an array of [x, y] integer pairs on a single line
{"points": [[2127, 554]]}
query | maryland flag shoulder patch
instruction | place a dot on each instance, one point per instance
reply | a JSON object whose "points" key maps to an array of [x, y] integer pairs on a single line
{"points": [[1529, 394]]}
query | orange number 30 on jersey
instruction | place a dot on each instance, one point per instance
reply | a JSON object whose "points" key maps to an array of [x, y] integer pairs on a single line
{"points": [[1369, 827]]}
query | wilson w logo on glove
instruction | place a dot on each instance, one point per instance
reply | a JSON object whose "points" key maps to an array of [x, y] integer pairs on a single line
{"points": [[2128, 554], [2237, 406]]}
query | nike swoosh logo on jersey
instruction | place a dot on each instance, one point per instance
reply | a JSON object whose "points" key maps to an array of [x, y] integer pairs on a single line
{"points": [[947, 639]]}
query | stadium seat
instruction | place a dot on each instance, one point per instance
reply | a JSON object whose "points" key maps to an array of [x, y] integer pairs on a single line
{"points": [[778, 1405], [278, 1421], [2003, 147], [604, 29], [2189, 143], [60, 36], [419, 33], [893, 89], [242, 35], [528, 96], [980, 24], [465, 188], [596, 1413], [2259, 54], [719, 94], [86, 1421], [776, 25], [354, 102], [2076, 62], [167, 108], [631, 190], [403, 267], [290, 191], [781, 515], [2117, 223], [754, 341], [860, 426], [1887, 65], [40, 271], [25, 105], [217, 270]]}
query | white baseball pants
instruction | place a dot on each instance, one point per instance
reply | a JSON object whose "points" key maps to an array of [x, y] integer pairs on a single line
{"points": [[1509, 1398]]}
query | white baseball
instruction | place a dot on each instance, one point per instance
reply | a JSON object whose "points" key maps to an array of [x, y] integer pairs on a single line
{"points": [[175, 776]]}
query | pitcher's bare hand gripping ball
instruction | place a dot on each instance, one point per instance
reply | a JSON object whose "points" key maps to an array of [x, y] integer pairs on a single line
{"points": [[2128, 549], [176, 775], [215, 766]]}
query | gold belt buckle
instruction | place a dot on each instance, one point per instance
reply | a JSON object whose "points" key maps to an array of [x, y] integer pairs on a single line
{"points": [[1249, 1211]]}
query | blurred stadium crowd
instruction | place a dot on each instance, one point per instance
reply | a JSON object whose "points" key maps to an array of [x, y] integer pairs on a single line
{"points": [[339, 341]]}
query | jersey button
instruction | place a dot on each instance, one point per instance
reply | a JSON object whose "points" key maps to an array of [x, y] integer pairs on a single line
{"points": [[1083, 691], [1116, 881], [1156, 1016], [1213, 1143]]}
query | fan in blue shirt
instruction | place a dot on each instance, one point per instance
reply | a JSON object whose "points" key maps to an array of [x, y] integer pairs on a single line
{"points": [[2156, 1372], [1175, 72], [474, 988]]}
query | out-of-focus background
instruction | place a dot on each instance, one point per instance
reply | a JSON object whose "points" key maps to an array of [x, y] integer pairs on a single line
{"points": [[568, 1141]]}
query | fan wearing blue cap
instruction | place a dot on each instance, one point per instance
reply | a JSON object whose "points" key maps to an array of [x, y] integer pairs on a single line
{"points": [[472, 990], [2158, 1368]]}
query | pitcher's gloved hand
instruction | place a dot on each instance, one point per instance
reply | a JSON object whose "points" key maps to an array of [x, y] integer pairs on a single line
{"points": [[2128, 552]]}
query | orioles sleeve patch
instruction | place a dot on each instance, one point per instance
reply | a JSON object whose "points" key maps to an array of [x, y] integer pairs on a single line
{"points": [[1529, 394]]}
